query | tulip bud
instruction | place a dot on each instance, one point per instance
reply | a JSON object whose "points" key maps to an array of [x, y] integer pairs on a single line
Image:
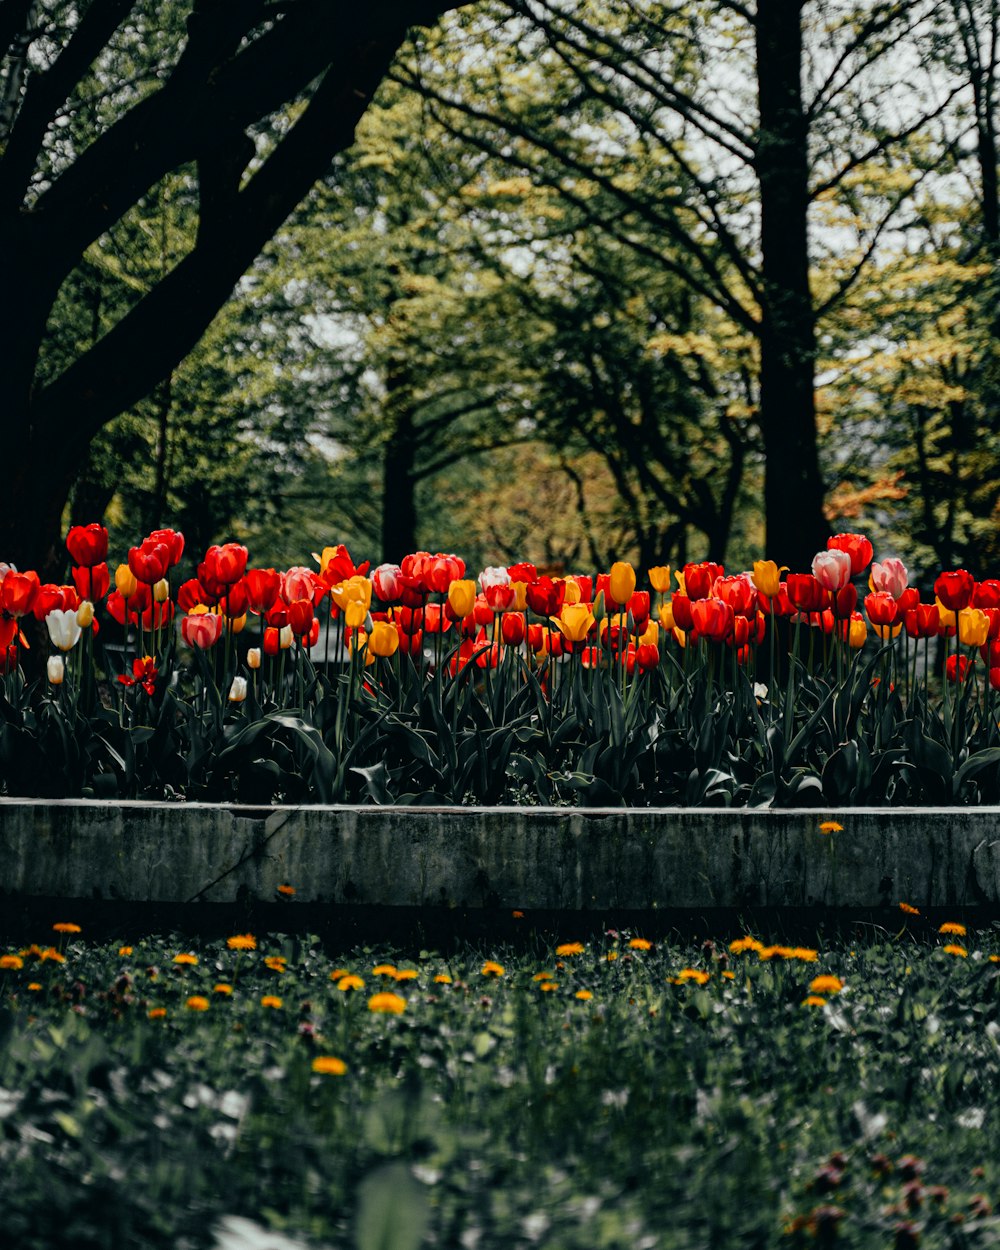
{"points": [[125, 581], [161, 590], [621, 581], [56, 669], [85, 614], [285, 637], [253, 658], [573, 593], [238, 690]]}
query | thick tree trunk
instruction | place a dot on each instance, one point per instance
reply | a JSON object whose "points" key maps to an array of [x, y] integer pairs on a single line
{"points": [[399, 509], [793, 489]]}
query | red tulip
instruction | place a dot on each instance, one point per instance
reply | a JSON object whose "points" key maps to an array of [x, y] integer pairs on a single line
{"points": [[8, 659], [301, 615], [638, 608], [236, 600], [957, 667], [922, 621], [647, 656], [50, 598], [845, 601], [712, 618], [436, 619], [512, 628], [92, 581], [17, 593], [682, 609], [805, 593], [87, 544], [225, 564], [882, 608], [173, 540], [156, 615], [523, 572], [201, 630], [739, 592], [191, 594], [955, 589], [149, 561], [700, 578], [263, 586], [986, 594], [857, 547], [545, 596]]}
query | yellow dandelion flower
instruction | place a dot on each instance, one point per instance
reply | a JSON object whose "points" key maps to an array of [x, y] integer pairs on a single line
{"points": [[583, 995], [337, 973], [242, 942], [384, 970], [276, 963], [350, 982], [185, 959], [53, 955], [442, 978], [570, 948], [271, 1000], [517, 915], [611, 956], [640, 944], [33, 950], [826, 984], [994, 959], [952, 927], [11, 963], [543, 976], [157, 1013], [776, 952], [548, 986], [698, 975], [805, 953], [125, 950], [813, 1000], [286, 891], [745, 944], [66, 927], [329, 1065], [223, 987], [492, 969], [407, 974], [197, 1003], [730, 976], [387, 1003], [909, 910], [831, 826], [34, 987], [953, 949]]}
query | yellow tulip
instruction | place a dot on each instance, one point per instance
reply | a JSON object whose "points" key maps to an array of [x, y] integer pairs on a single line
{"points": [[355, 589], [652, 635], [575, 622], [125, 581], [766, 577], [85, 614], [520, 596], [973, 627], [857, 633], [659, 578], [161, 590], [383, 639], [622, 581], [237, 624], [462, 597], [667, 615], [355, 613], [947, 616], [572, 594], [885, 632]]}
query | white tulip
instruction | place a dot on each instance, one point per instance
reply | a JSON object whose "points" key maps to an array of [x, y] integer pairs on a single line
{"points": [[56, 668], [238, 690], [64, 629]]}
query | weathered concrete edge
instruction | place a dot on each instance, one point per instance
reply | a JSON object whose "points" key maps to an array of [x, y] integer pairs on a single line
{"points": [[538, 858]]}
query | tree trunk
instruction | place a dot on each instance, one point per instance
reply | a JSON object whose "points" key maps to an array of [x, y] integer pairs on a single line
{"points": [[399, 509], [793, 489]]}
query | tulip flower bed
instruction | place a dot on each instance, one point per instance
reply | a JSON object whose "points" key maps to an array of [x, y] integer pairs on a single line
{"points": [[417, 684], [615, 1093]]}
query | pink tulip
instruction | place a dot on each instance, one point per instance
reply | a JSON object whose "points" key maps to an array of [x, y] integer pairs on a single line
{"points": [[890, 576], [832, 569]]}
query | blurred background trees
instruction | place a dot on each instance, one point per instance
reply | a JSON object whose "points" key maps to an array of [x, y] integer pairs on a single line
{"points": [[665, 281]]}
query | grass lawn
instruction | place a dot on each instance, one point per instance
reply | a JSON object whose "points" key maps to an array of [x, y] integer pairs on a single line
{"points": [[574, 1095]]}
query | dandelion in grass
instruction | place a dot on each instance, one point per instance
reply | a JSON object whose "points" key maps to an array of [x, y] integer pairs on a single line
{"points": [[492, 969], [387, 1003], [385, 970], [697, 975], [953, 928], [53, 955], [517, 915], [744, 944], [158, 1013], [583, 995], [350, 982], [34, 987], [640, 944], [125, 951], [242, 942], [954, 949], [65, 926], [813, 1000], [406, 974], [286, 891], [11, 963], [728, 975], [329, 1065], [909, 910], [570, 948], [277, 963], [831, 826], [223, 987], [544, 976], [994, 959], [197, 1002], [185, 960], [776, 952], [548, 986], [442, 978], [272, 1001], [804, 953], [611, 956], [826, 984]]}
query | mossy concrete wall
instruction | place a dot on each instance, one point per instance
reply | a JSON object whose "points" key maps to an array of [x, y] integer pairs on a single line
{"points": [[538, 858]]}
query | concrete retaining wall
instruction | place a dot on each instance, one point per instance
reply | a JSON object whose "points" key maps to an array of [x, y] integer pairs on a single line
{"points": [[537, 858]]}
